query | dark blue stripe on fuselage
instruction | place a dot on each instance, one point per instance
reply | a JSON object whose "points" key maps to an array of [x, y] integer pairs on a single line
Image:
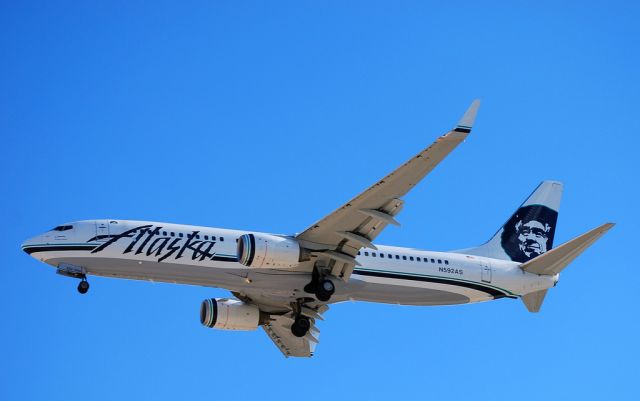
{"points": [[49, 248], [88, 247]]}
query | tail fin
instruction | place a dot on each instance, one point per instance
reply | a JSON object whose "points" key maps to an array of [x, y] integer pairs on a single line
{"points": [[529, 231]]}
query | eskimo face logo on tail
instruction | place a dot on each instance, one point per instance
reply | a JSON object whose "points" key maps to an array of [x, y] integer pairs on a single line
{"points": [[529, 232]]}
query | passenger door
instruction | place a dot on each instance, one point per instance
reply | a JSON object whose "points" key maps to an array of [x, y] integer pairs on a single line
{"points": [[102, 230]]}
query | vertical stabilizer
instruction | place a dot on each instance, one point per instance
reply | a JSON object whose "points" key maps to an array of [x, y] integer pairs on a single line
{"points": [[529, 231]]}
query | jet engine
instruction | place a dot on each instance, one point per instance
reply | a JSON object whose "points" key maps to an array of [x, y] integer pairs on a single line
{"points": [[270, 251], [230, 314]]}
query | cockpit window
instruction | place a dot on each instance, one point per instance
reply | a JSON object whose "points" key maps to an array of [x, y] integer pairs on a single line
{"points": [[62, 228]]}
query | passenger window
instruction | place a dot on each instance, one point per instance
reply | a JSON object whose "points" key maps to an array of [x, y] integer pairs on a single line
{"points": [[180, 235], [373, 254], [418, 259], [397, 256], [198, 236], [213, 238], [446, 262], [382, 255], [358, 252], [164, 233], [433, 261], [366, 254], [426, 260], [404, 258], [411, 258], [439, 261], [221, 239], [173, 234], [390, 256], [206, 237]]}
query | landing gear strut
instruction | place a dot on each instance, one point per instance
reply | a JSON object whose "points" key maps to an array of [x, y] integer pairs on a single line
{"points": [[301, 326], [320, 286], [83, 286]]}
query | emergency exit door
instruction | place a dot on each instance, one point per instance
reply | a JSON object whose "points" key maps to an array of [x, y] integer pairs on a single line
{"points": [[486, 272]]}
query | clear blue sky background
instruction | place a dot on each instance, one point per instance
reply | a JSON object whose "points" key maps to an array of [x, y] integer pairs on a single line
{"points": [[267, 116]]}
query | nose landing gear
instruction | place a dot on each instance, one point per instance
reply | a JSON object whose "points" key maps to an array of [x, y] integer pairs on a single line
{"points": [[83, 286], [68, 270]]}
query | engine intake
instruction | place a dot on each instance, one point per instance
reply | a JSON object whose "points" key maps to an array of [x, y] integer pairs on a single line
{"points": [[270, 251], [230, 314]]}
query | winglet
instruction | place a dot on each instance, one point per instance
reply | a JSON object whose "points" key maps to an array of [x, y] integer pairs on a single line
{"points": [[466, 122]]}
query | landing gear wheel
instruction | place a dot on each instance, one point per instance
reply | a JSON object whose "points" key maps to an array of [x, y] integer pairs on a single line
{"points": [[83, 287], [325, 290], [301, 326]]}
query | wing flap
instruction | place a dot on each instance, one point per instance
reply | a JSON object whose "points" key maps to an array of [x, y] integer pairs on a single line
{"points": [[279, 330]]}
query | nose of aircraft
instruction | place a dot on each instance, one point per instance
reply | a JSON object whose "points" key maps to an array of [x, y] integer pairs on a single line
{"points": [[29, 244]]}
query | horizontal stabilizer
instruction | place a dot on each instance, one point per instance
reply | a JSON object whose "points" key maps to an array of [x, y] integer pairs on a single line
{"points": [[555, 260], [533, 300]]}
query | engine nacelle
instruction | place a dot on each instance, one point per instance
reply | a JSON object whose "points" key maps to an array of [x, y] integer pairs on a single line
{"points": [[270, 251], [229, 314]]}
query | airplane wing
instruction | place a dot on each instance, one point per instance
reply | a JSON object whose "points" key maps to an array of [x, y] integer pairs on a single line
{"points": [[338, 237]]}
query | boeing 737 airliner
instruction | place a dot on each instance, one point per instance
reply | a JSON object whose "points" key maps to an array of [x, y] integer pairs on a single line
{"points": [[285, 283]]}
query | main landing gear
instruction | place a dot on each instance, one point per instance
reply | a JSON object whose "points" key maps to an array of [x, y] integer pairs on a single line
{"points": [[83, 286], [320, 286], [325, 290], [301, 326]]}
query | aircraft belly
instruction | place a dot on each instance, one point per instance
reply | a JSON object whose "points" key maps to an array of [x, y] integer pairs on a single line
{"points": [[400, 292], [280, 287], [276, 287]]}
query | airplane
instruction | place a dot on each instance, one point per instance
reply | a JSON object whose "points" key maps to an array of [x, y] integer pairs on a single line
{"points": [[285, 283]]}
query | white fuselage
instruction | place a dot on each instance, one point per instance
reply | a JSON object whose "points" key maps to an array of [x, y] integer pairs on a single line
{"points": [[207, 256]]}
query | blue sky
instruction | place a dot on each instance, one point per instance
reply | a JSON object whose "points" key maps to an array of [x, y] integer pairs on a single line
{"points": [[268, 115]]}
